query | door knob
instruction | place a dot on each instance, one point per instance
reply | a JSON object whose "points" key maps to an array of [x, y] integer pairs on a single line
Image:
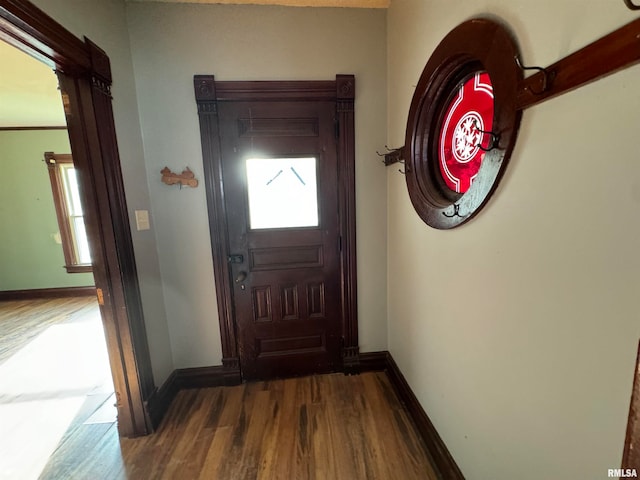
{"points": [[241, 277]]}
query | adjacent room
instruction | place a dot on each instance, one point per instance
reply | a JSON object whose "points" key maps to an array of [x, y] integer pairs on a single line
{"points": [[55, 379]]}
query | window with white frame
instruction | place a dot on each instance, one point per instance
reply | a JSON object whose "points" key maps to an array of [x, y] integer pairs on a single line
{"points": [[66, 197]]}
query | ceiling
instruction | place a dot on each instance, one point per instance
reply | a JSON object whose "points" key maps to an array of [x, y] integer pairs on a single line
{"points": [[294, 3], [29, 95]]}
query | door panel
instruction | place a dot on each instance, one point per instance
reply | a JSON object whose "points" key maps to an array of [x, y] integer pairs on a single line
{"points": [[280, 176]]}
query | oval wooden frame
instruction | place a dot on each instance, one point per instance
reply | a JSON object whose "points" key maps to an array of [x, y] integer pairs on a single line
{"points": [[478, 44]]}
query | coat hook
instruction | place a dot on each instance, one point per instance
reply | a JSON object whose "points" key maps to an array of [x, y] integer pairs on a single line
{"points": [[631, 5], [456, 212], [388, 150], [495, 138], [392, 155], [403, 172], [547, 77]]}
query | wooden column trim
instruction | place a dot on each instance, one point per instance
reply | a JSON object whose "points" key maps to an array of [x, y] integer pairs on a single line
{"points": [[206, 100], [128, 275], [125, 287], [85, 144], [345, 109]]}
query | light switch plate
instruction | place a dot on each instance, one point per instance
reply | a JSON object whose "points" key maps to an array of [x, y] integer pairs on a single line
{"points": [[142, 220]]}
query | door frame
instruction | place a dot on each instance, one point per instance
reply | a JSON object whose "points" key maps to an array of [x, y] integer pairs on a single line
{"points": [[84, 74], [208, 92]]}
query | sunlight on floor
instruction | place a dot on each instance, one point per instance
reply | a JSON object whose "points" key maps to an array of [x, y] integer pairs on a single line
{"points": [[42, 389], [26, 450]]}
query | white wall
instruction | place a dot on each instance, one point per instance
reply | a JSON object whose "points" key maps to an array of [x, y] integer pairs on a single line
{"points": [[104, 23], [171, 43], [518, 330]]}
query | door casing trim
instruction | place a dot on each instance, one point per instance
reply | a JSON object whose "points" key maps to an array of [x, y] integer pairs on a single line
{"points": [[208, 93]]}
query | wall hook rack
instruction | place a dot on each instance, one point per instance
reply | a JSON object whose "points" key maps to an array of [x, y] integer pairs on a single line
{"points": [[186, 178], [391, 156], [547, 77]]}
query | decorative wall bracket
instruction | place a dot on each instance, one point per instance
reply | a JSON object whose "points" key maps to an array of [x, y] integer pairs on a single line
{"points": [[186, 178], [392, 155]]}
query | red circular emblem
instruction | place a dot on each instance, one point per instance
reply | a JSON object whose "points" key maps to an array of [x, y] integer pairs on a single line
{"points": [[461, 136]]}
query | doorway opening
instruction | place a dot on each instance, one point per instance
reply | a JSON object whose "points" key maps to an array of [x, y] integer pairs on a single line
{"points": [[84, 74], [55, 378]]}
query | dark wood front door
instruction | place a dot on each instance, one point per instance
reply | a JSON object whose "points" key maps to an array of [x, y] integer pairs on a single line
{"points": [[279, 171], [280, 176]]}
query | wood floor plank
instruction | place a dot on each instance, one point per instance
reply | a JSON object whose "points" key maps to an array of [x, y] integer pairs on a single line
{"points": [[284, 457], [216, 455], [267, 467]]}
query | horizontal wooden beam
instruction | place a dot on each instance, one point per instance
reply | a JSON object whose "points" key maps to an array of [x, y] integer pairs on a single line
{"points": [[603, 57], [34, 32]]}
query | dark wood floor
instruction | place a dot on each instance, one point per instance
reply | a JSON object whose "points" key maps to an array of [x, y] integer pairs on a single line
{"points": [[321, 427]]}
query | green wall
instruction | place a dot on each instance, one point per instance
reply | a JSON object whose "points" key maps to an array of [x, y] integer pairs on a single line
{"points": [[30, 257]]}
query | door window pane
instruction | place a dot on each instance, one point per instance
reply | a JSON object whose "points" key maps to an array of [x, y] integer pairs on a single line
{"points": [[282, 192]]}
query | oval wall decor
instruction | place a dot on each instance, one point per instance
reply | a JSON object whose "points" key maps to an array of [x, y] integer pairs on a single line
{"points": [[463, 123]]}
